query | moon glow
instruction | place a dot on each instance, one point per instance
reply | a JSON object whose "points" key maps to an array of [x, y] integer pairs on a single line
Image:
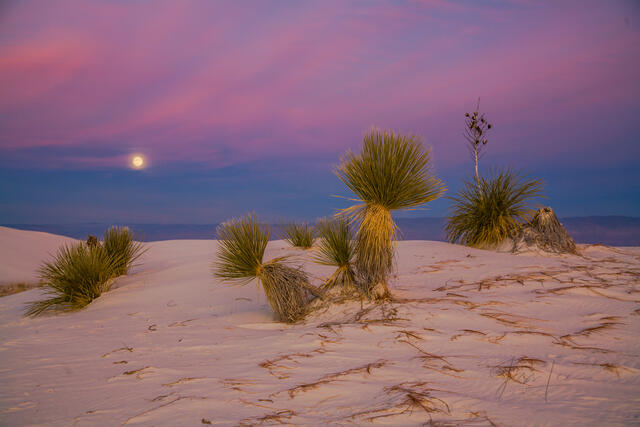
{"points": [[137, 161]]}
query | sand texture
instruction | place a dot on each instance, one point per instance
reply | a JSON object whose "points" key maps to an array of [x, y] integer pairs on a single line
{"points": [[473, 338]]}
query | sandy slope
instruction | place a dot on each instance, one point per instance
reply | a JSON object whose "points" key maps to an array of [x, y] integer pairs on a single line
{"points": [[476, 338], [21, 253]]}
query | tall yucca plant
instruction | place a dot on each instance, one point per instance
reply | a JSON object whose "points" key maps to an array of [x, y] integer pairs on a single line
{"points": [[299, 235], [337, 248], [119, 244], [486, 212], [76, 275], [241, 247], [391, 172]]}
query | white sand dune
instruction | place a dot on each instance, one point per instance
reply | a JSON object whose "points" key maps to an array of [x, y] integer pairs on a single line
{"points": [[22, 252], [475, 338]]}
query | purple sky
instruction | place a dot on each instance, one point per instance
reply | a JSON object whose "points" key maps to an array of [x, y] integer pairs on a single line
{"points": [[244, 105]]}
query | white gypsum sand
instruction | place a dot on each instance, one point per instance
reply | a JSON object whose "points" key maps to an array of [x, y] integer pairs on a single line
{"points": [[475, 338]]}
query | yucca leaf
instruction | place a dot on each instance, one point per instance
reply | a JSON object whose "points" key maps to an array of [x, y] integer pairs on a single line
{"points": [[487, 212], [241, 246], [299, 235], [337, 248], [119, 244], [391, 172], [75, 276]]}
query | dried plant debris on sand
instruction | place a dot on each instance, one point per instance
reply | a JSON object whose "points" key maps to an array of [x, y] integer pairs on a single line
{"points": [[546, 233], [491, 339]]}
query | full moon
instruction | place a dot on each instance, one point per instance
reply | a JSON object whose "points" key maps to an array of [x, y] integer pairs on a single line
{"points": [[137, 162]]}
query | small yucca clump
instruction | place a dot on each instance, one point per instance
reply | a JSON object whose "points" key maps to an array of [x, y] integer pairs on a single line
{"points": [[391, 172], [241, 247], [487, 212], [299, 235], [337, 248], [81, 272], [77, 275], [119, 244]]}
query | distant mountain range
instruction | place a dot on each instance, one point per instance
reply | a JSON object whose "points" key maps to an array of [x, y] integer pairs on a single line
{"points": [[606, 230]]}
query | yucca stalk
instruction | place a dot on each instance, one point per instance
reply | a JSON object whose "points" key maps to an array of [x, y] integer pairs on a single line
{"points": [[475, 130], [241, 246], [484, 215], [337, 248], [77, 275], [118, 243], [391, 172], [299, 235], [284, 287]]}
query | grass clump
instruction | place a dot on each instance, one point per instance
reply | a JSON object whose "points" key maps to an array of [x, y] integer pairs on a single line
{"points": [[337, 248], [487, 212], [14, 288], [240, 259], [77, 275], [391, 172], [119, 244], [299, 235], [81, 272]]}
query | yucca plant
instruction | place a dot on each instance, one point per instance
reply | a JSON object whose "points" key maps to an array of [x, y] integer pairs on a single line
{"points": [[241, 247], [299, 235], [475, 130], [487, 212], [337, 248], [391, 172], [118, 243], [77, 275]]}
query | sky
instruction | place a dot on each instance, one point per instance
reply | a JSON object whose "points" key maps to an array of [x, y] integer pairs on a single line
{"points": [[246, 106]]}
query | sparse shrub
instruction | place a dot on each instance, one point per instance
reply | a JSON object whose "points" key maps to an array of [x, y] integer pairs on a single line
{"points": [[484, 214], [391, 172], [119, 244], [14, 288], [81, 272], [241, 247], [299, 235], [337, 248], [77, 275]]}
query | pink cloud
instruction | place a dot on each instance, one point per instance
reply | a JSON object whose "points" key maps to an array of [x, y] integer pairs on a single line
{"points": [[222, 82]]}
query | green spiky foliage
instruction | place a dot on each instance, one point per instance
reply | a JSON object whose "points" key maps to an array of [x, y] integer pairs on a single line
{"points": [[241, 247], [391, 172], [299, 235], [76, 275], [337, 248], [118, 243], [487, 212]]}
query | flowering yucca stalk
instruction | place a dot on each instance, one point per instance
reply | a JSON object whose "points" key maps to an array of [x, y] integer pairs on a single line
{"points": [[241, 246], [475, 130], [337, 248], [486, 212], [391, 172], [76, 275], [299, 235]]}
